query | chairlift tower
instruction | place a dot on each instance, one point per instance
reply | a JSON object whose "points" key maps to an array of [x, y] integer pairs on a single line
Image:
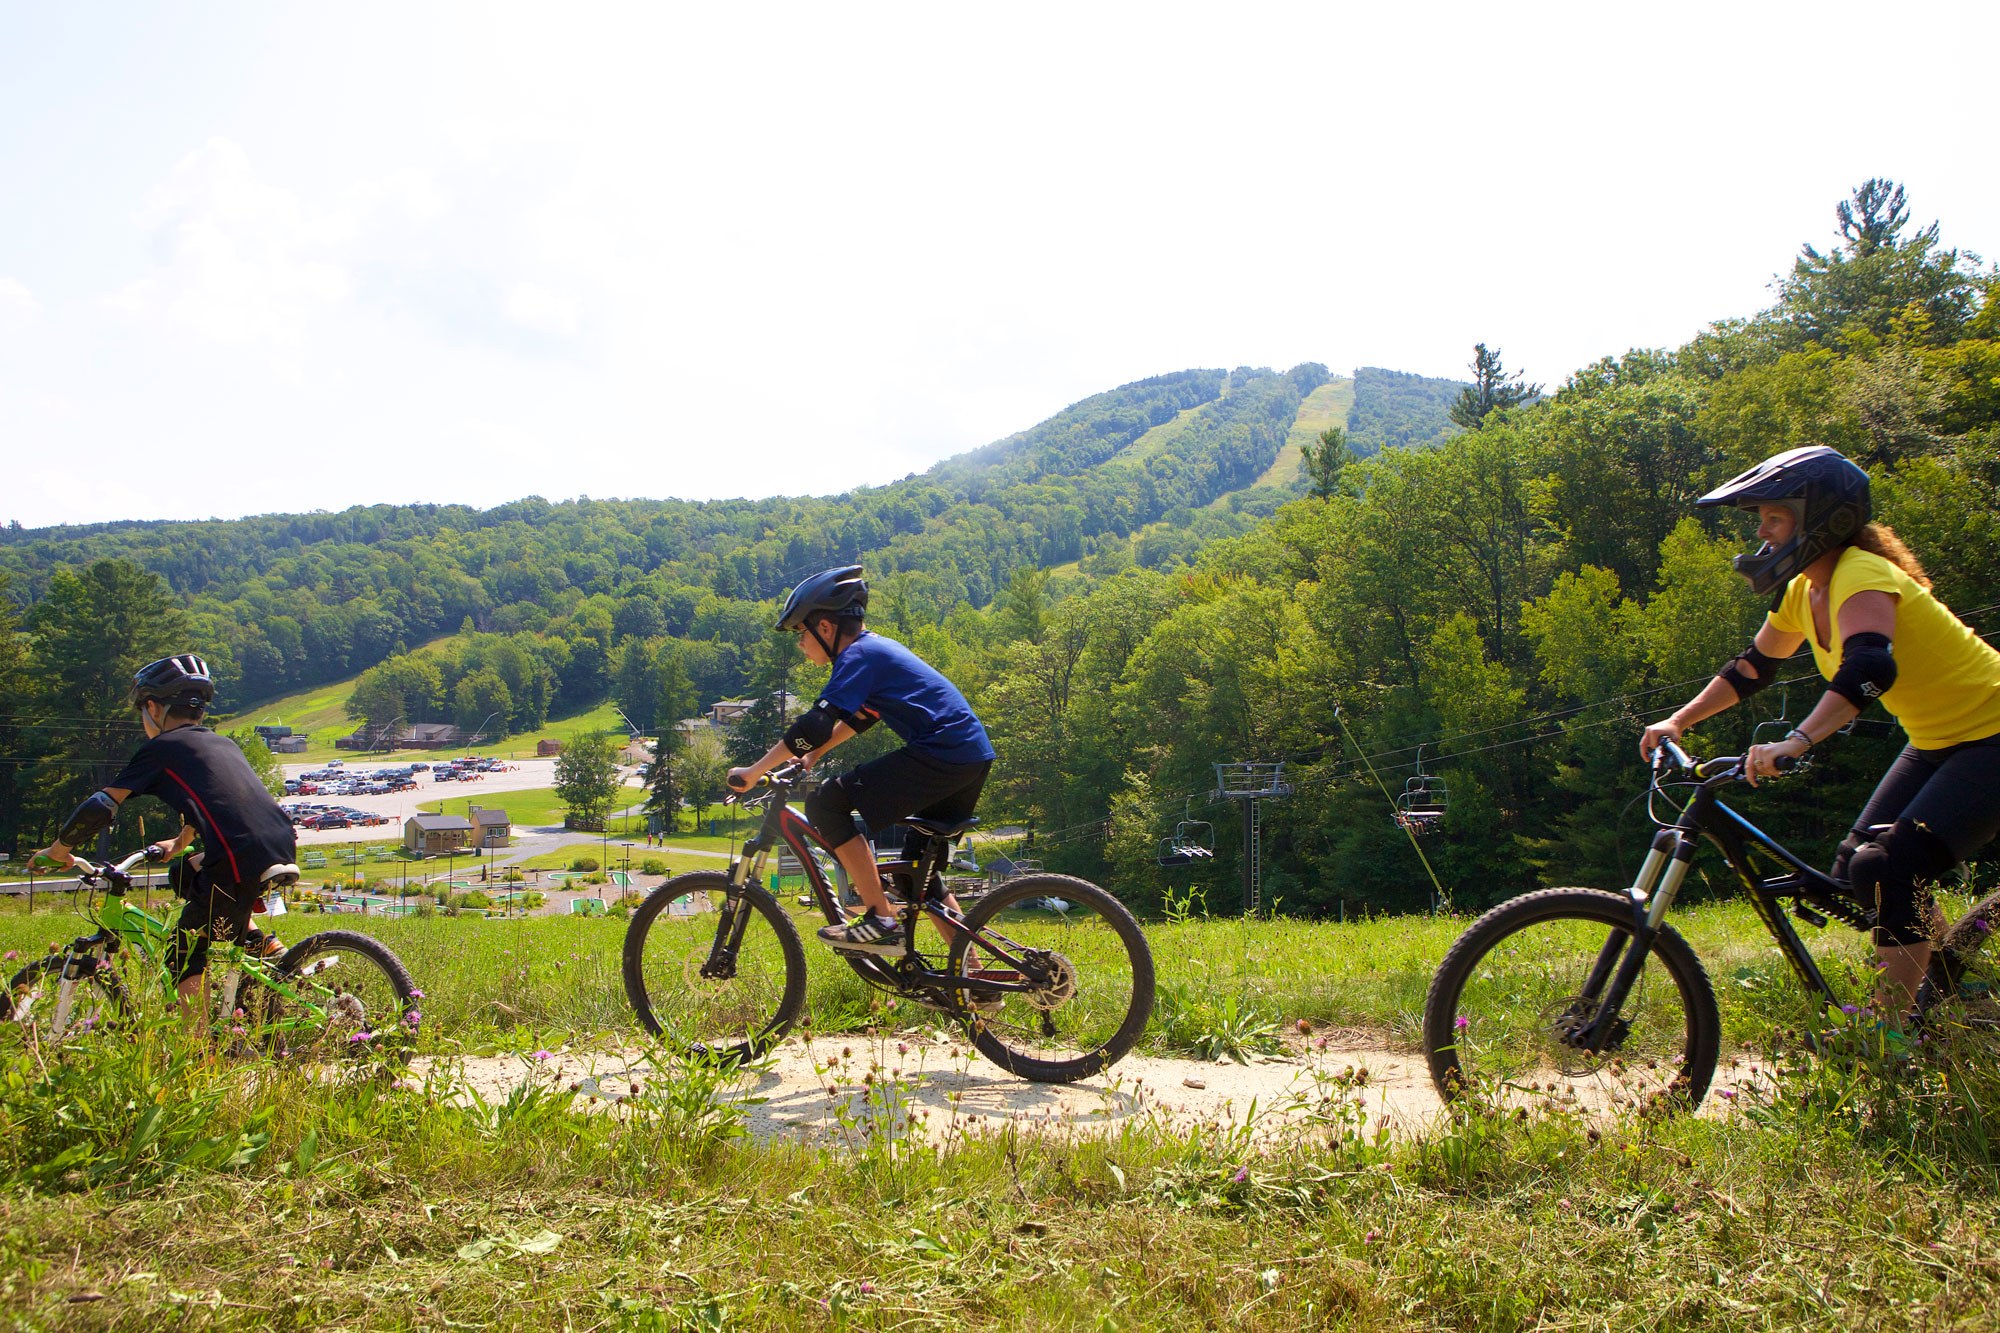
{"points": [[1247, 784]]}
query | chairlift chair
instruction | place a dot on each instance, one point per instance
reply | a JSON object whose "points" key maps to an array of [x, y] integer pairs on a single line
{"points": [[1192, 843], [1424, 800]]}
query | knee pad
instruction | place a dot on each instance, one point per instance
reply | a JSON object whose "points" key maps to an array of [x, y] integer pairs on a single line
{"points": [[1895, 873], [830, 810]]}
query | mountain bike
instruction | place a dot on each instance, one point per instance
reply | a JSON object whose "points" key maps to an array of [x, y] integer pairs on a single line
{"points": [[1049, 975], [331, 995], [1592, 998]]}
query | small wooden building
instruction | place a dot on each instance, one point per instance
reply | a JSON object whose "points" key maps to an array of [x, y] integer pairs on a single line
{"points": [[435, 835], [490, 828]]}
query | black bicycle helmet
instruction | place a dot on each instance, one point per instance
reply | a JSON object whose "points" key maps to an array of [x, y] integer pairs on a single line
{"points": [[1826, 493], [178, 682], [835, 592]]}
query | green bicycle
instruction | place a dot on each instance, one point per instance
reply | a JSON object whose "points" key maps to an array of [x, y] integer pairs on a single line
{"points": [[331, 995]]}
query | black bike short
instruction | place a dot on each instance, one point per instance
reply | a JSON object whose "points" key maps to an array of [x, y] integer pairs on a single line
{"points": [[211, 911], [1954, 795], [894, 787]]}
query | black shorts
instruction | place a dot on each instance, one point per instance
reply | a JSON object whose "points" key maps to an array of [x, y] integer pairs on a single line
{"points": [[894, 787], [1953, 792], [212, 911]]}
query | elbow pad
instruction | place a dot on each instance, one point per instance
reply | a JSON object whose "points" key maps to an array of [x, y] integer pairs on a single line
{"points": [[811, 729], [88, 820], [1867, 668], [1745, 686]]}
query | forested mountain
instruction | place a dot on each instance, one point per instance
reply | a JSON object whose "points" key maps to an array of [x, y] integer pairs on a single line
{"points": [[1393, 410], [1139, 588]]}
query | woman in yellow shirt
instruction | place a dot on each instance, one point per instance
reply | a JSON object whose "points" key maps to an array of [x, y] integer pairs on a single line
{"points": [[1851, 589]]}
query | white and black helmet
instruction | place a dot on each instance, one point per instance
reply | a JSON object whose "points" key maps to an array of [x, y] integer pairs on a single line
{"points": [[181, 681], [1827, 494]]}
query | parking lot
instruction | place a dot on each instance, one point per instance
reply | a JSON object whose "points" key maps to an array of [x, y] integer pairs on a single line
{"points": [[518, 775]]}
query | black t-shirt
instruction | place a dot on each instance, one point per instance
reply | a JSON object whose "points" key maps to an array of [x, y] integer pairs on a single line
{"points": [[207, 780]]}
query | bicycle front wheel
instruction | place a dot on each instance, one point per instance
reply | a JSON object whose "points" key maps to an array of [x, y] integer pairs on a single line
{"points": [[38, 998], [714, 968], [1508, 1012], [350, 996], [1070, 978]]}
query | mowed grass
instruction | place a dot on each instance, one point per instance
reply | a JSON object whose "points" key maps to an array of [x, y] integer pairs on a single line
{"points": [[538, 807], [1325, 406], [147, 1185]]}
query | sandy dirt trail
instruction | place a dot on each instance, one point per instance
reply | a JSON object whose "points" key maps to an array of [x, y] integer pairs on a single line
{"points": [[840, 1089]]}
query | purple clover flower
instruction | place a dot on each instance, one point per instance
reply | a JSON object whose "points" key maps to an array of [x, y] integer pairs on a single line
{"points": [[1461, 1023]]}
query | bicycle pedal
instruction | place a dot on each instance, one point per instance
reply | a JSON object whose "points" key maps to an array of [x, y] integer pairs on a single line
{"points": [[1806, 914]]}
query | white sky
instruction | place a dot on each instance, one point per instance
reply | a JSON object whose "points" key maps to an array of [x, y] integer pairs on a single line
{"points": [[268, 257]]}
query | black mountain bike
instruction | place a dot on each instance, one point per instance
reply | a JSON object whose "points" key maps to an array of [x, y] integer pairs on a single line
{"points": [[1050, 975], [1591, 997]]}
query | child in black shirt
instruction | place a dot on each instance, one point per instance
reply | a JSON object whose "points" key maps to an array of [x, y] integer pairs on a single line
{"points": [[247, 839]]}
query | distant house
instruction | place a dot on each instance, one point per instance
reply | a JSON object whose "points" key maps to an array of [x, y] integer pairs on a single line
{"points": [[728, 712], [288, 745], [547, 749], [435, 835], [490, 828], [432, 736], [401, 736]]}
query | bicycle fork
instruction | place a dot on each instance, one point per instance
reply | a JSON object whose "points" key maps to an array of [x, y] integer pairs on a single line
{"points": [[1624, 953]]}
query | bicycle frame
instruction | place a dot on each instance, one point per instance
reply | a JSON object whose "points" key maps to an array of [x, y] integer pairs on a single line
{"points": [[1665, 869], [781, 824], [120, 924]]}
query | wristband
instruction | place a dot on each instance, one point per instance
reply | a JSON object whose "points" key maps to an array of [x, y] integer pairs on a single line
{"points": [[1801, 735]]}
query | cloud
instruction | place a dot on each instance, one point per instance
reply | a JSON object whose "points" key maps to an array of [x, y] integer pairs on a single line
{"points": [[242, 262], [18, 306], [535, 307]]}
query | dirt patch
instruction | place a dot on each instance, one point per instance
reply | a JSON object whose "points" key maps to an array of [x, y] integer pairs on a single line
{"points": [[844, 1089]]}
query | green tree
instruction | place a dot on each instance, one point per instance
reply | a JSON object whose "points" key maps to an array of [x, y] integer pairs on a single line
{"points": [[703, 767], [262, 762], [483, 704], [94, 629], [1492, 390], [587, 779], [1325, 462], [665, 785]]}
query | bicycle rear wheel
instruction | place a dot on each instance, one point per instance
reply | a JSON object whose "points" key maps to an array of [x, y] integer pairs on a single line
{"points": [[713, 968], [1078, 971], [1506, 1008], [35, 998], [353, 995]]}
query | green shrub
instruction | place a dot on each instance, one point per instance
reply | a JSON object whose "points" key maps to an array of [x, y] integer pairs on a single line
{"points": [[652, 865], [583, 863]]}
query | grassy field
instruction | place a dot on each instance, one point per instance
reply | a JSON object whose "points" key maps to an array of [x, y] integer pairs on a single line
{"points": [[148, 1185], [321, 713], [536, 807]]}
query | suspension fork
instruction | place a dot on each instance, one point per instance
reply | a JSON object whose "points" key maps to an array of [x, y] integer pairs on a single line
{"points": [[1624, 953]]}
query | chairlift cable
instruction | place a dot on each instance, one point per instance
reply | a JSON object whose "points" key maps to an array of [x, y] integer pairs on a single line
{"points": [[1436, 883]]}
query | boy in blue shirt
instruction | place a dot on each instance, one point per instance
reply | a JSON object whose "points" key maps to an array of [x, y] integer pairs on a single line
{"points": [[937, 774]]}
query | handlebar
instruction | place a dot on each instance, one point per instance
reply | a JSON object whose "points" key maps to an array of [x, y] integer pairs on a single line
{"points": [[117, 878], [1722, 768], [782, 775]]}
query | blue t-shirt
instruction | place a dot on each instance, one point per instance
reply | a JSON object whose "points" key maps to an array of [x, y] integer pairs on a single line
{"points": [[878, 677]]}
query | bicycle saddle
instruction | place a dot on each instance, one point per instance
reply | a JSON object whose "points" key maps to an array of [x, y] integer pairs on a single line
{"points": [[280, 876], [939, 828]]}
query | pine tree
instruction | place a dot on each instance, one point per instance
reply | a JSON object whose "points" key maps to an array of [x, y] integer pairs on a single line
{"points": [[1492, 390]]}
